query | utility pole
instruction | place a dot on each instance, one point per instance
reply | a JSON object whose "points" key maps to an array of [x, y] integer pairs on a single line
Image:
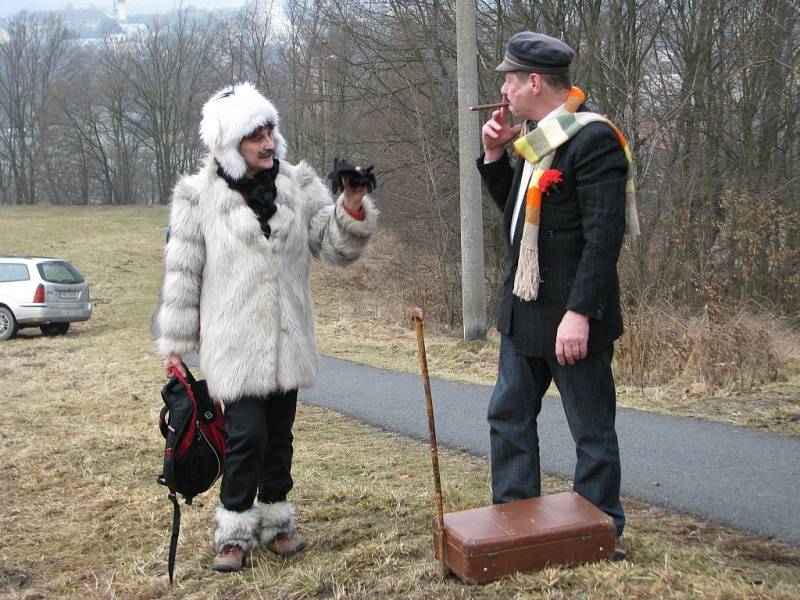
{"points": [[473, 286]]}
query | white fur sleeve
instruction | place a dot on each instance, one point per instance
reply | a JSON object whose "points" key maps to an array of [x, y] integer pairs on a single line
{"points": [[334, 237], [184, 258]]}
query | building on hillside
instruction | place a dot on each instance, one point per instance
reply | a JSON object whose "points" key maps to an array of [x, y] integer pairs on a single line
{"points": [[94, 25], [89, 23], [128, 26], [120, 11]]}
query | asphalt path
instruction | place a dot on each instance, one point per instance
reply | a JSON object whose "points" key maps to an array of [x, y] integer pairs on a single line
{"points": [[733, 476], [737, 477]]}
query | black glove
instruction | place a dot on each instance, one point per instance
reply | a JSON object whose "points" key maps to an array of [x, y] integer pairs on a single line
{"points": [[357, 177]]}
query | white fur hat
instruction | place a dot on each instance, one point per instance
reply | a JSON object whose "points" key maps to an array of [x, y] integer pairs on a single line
{"points": [[231, 114]]}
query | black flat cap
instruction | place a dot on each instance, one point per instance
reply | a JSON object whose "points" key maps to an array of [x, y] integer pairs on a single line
{"points": [[531, 52]]}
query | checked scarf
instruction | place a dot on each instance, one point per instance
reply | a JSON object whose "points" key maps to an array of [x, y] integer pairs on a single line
{"points": [[538, 147]]}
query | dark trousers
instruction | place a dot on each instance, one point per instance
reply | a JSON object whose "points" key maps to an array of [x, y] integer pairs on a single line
{"points": [[259, 458], [589, 400]]}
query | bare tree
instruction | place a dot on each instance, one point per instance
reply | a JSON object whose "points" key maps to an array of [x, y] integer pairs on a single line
{"points": [[246, 45], [168, 71], [706, 92], [35, 56]]}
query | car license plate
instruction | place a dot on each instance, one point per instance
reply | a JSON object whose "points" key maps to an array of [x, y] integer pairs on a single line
{"points": [[69, 295]]}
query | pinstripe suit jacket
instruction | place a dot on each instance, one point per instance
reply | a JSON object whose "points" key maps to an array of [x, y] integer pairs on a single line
{"points": [[580, 237]]}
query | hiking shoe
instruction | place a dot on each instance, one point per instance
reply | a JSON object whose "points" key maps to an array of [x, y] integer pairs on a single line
{"points": [[620, 553], [285, 545], [230, 559]]}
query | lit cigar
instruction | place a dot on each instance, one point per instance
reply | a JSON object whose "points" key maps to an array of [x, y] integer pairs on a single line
{"points": [[491, 106]]}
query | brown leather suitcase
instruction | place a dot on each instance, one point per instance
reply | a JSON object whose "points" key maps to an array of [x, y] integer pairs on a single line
{"points": [[484, 544]]}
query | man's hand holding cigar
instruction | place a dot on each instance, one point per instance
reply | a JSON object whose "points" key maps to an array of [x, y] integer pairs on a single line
{"points": [[496, 133]]}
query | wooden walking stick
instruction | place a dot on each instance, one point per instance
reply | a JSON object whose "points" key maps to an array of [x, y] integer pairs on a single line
{"points": [[416, 315]]}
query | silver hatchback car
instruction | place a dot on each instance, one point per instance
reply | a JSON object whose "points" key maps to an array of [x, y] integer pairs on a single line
{"points": [[48, 293]]}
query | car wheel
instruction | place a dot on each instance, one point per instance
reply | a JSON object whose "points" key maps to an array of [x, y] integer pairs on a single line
{"points": [[55, 328], [8, 324]]}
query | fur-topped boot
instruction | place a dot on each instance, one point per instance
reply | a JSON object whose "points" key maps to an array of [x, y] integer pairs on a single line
{"points": [[279, 529], [235, 534]]}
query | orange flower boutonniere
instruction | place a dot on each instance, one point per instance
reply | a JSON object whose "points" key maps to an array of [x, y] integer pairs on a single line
{"points": [[548, 178]]}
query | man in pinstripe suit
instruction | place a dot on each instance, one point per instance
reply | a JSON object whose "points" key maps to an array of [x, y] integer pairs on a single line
{"points": [[566, 334]]}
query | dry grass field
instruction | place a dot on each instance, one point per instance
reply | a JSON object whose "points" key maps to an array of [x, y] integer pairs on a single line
{"points": [[82, 517]]}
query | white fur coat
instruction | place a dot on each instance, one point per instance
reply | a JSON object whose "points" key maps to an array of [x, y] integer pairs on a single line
{"points": [[241, 299]]}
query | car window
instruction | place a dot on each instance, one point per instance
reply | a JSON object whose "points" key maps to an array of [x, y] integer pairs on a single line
{"points": [[13, 272], [59, 271]]}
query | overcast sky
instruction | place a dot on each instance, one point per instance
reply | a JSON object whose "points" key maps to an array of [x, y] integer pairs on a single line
{"points": [[135, 7]]}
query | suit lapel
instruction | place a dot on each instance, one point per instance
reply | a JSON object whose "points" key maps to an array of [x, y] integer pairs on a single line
{"points": [[511, 201], [509, 214], [520, 224]]}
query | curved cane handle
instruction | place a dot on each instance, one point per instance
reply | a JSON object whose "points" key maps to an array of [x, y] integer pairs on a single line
{"points": [[415, 314]]}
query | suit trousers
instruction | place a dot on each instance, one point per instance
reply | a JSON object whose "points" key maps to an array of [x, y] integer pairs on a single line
{"points": [[589, 400], [259, 457]]}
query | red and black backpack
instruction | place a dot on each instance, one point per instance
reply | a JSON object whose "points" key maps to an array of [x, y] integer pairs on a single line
{"points": [[194, 429]]}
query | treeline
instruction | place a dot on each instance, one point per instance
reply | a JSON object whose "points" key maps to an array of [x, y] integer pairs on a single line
{"points": [[707, 92]]}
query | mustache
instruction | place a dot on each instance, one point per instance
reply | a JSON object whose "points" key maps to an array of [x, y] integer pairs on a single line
{"points": [[266, 154]]}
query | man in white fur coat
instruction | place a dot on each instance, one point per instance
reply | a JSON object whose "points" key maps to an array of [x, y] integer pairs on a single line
{"points": [[243, 232]]}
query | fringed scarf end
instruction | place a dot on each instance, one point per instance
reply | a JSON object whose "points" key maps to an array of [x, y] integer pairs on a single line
{"points": [[527, 279], [631, 212]]}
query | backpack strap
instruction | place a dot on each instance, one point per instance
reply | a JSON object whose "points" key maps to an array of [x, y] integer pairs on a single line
{"points": [[189, 377], [176, 527], [167, 479], [162, 421], [188, 435], [187, 380]]}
